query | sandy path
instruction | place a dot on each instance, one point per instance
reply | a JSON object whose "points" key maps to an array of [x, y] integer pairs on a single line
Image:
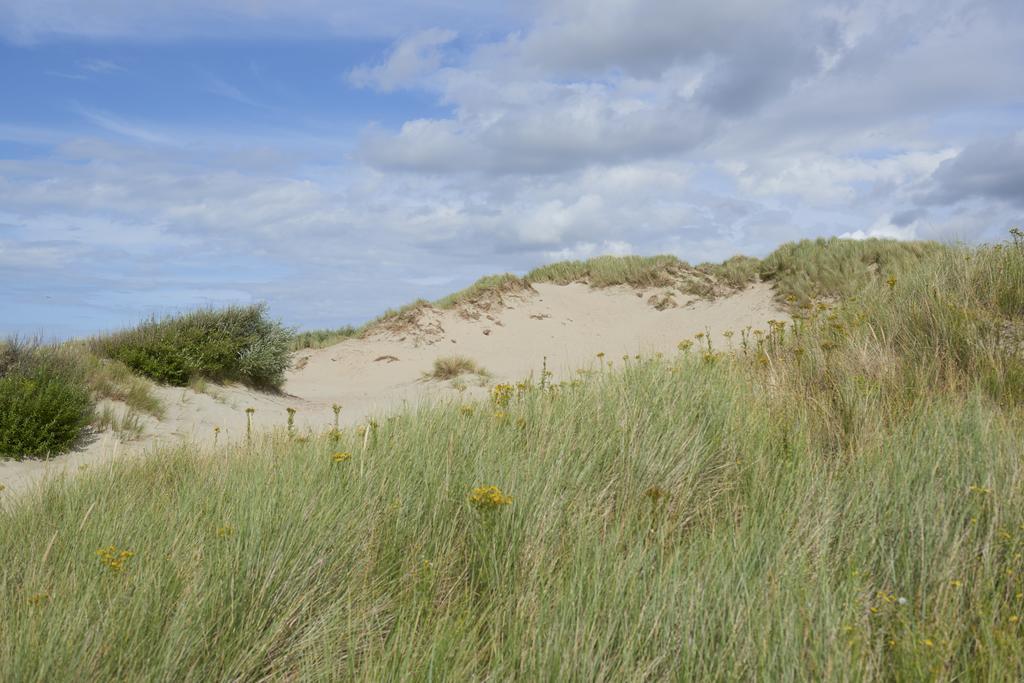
{"points": [[567, 324]]}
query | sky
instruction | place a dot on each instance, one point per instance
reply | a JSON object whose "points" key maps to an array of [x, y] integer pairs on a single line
{"points": [[337, 159]]}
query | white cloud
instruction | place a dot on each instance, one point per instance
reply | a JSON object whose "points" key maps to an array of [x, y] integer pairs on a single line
{"points": [[101, 66], [539, 127], [822, 179], [410, 60], [585, 250], [589, 127], [119, 126]]}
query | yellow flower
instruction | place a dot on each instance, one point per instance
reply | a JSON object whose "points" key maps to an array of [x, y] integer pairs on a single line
{"points": [[225, 530], [488, 497], [341, 456], [501, 394], [1014, 619], [39, 599], [466, 409], [955, 583], [113, 558], [928, 642]]}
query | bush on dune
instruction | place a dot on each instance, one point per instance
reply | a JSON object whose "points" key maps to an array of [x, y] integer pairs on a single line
{"points": [[232, 344], [45, 402]]}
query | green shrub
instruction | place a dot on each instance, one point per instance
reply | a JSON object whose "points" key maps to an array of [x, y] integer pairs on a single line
{"points": [[237, 343], [44, 402]]}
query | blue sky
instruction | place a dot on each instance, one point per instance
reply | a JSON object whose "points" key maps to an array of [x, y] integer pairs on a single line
{"points": [[337, 159]]}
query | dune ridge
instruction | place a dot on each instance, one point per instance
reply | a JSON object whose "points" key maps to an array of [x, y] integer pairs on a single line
{"points": [[510, 331]]}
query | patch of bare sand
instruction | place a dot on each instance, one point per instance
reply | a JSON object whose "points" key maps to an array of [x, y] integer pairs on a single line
{"points": [[567, 324]]}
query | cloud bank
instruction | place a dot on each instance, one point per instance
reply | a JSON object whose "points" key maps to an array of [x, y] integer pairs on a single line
{"points": [[492, 139]]}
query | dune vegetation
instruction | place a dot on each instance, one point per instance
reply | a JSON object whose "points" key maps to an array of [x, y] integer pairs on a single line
{"points": [[799, 271], [50, 394], [45, 403], [450, 367], [233, 344], [837, 497]]}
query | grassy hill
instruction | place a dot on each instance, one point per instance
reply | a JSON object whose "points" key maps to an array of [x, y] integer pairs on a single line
{"points": [[839, 497]]}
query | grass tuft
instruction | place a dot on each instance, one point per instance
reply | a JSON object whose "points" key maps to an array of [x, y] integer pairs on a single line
{"points": [[451, 367]]}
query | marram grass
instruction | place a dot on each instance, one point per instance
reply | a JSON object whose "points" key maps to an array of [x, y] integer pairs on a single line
{"points": [[831, 501]]}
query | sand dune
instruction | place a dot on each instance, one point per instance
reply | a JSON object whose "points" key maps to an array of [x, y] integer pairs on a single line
{"points": [[509, 335]]}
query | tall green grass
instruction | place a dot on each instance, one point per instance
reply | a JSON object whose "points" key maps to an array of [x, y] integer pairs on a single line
{"points": [[833, 267], [839, 498]]}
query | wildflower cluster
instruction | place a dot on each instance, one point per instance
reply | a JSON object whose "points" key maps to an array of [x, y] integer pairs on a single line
{"points": [[114, 558], [488, 497], [341, 456], [39, 599], [501, 394]]}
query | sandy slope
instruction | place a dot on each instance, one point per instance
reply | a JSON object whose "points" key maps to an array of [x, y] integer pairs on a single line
{"points": [[567, 324]]}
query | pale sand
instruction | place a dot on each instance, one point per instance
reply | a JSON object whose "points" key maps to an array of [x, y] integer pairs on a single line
{"points": [[568, 324]]}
